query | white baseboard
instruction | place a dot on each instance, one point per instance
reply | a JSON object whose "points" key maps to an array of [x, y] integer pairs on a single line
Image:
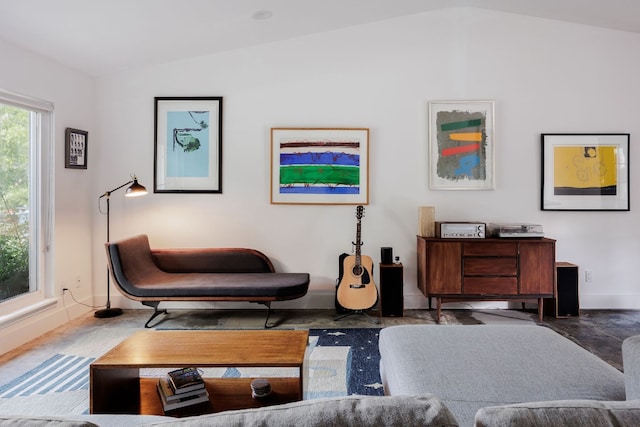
{"points": [[313, 300], [28, 326], [610, 302]]}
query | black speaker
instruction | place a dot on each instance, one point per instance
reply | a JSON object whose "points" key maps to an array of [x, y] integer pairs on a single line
{"points": [[567, 301], [386, 255], [391, 294]]}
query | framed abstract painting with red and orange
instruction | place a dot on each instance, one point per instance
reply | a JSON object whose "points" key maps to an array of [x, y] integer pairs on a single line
{"points": [[461, 145]]}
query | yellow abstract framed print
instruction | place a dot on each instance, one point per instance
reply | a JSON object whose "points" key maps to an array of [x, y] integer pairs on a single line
{"points": [[585, 172]]}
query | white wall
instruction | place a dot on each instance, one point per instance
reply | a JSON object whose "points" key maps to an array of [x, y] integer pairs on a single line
{"points": [[72, 93], [545, 76]]}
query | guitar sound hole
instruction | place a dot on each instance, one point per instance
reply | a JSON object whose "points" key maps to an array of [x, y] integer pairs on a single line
{"points": [[357, 270]]}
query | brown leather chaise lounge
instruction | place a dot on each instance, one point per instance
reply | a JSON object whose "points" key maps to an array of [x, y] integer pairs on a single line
{"points": [[198, 274]]}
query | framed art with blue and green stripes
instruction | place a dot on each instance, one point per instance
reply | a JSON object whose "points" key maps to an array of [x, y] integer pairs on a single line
{"points": [[320, 166]]}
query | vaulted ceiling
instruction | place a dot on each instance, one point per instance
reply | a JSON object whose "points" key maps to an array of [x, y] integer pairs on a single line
{"points": [[102, 36]]}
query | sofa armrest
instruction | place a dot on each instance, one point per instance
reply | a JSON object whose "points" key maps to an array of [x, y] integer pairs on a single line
{"points": [[631, 363]]}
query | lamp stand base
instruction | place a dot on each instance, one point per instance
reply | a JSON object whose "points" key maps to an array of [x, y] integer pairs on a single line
{"points": [[107, 312]]}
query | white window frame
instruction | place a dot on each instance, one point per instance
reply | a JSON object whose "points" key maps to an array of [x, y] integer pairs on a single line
{"points": [[41, 221]]}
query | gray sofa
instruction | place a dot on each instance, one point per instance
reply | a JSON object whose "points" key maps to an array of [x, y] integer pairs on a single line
{"points": [[400, 411], [506, 375]]}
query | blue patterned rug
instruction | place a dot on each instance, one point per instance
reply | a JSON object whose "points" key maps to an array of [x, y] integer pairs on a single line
{"points": [[340, 362], [363, 364]]}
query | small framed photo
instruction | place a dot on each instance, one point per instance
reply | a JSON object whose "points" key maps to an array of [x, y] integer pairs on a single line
{"points": [[188, 145], [585, 172], [75, 148], [461, 145], [320, 166]]}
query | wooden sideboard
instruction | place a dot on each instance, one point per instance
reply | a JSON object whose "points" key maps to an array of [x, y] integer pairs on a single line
{"points": [[486, 269]]}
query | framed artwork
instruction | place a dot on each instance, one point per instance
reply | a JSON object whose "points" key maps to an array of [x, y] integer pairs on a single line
{"points": [[320, 166], [461, 145], [585, 172], [188, 145], [75, 148]]}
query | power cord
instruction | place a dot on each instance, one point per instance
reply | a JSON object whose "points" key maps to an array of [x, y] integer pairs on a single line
{"points": [[78, 302]]}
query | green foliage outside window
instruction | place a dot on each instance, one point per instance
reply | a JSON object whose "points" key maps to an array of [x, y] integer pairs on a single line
{"points": [[14, 201]]}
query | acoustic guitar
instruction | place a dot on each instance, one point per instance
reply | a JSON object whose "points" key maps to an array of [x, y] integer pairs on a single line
{"points": [[356, 290]]}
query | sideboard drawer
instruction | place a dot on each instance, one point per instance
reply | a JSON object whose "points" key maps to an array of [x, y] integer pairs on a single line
{"points": [[490, 266], [490, 249], [491, 285]]}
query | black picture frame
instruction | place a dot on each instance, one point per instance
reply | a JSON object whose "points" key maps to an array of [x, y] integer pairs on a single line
{"points": [[76, 144], [187, 145], [585, 172]]}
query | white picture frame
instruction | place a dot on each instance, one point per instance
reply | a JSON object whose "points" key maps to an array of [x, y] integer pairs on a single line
{"points": [[461, 145]]}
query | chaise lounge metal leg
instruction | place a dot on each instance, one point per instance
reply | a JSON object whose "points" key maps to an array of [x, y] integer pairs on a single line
{"points": [[269, 311], [266, 321], [156, 312]]}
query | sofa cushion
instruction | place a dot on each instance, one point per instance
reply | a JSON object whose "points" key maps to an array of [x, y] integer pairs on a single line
{"points": [[26, 421], [473, 366], [120, 420], [583, 413], [631, 363], [348, 411]]}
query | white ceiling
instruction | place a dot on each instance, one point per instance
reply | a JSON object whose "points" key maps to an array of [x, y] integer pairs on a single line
{"points": [[103, 36]]}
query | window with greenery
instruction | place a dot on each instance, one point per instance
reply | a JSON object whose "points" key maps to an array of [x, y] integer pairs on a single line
{"points": [[14, 201], [25, 199]]}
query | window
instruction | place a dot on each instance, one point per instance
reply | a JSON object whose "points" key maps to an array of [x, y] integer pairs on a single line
{"points": [[25, 201]]}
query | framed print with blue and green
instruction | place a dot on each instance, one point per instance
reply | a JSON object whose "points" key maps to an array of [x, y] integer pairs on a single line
{"points": [[461, 145], [320, 166], [585, 172], [188, 145]]}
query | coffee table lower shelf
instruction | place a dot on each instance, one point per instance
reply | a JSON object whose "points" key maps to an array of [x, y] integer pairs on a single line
{"points": [[224, 394], [117, 387]]}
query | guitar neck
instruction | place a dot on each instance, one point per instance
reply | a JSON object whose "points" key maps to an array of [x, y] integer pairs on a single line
{"points": [[358, 244]]}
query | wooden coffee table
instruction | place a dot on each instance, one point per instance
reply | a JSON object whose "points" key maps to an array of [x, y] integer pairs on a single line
{"points": [[117, 388]]}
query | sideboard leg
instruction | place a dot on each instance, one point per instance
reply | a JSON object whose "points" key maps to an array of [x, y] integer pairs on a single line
{"points": [[540, 307]]}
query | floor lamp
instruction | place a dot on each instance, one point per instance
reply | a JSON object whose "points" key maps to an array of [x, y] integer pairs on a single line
{"points": [[133, 191]]}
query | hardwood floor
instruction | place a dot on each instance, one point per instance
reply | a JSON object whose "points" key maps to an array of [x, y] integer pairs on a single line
{"points": [[599, 331]]}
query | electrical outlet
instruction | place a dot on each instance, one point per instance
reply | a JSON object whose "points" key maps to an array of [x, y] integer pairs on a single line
{"points": [[587, 276], [78, 282]]}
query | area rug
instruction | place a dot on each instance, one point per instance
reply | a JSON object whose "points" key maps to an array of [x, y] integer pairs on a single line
{"points": [[339, 362], [362, 360], [59, 374]]}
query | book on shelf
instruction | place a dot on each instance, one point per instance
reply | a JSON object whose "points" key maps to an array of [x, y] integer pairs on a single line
{"points": [[185, 380], [171, 402], [171, 396]]}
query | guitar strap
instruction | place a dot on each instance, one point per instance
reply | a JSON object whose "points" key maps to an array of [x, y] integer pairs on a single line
{"points": [[341, 265]]}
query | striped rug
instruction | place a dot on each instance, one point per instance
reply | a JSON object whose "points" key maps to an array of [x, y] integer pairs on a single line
{"points": [[60, 373]]}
